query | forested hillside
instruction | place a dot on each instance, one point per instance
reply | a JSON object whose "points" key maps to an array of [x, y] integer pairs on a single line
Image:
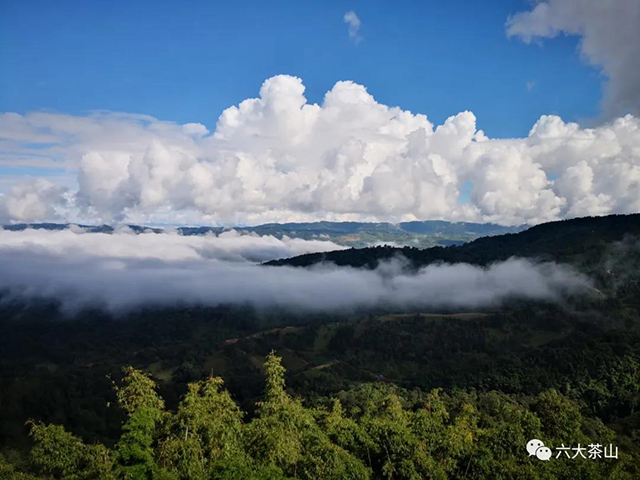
{"points": [[377, 393], [583, 241]]}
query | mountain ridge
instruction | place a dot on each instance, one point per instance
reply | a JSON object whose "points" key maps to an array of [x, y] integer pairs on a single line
{"points": [[554, 241], [353, 234]]}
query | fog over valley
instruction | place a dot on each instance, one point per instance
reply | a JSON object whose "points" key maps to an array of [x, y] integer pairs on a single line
{"points": [[125, 270]]}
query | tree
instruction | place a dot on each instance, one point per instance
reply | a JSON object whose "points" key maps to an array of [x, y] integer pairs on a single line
{"points": [[287, 435], [134, 451], [206, 430], [60, 454]]}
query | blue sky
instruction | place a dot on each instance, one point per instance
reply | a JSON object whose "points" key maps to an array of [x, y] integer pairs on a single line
{"points": [[187, 61]]}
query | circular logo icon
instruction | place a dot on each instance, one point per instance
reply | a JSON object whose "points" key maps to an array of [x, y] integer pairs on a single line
{"points": [[543, 453], [534, 445]]}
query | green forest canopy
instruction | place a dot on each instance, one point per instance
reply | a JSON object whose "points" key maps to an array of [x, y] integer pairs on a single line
{"points": [[374, 431]]}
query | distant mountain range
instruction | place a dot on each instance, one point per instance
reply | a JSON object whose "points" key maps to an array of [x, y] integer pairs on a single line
{"points": [[608, 245], [352, 234]]}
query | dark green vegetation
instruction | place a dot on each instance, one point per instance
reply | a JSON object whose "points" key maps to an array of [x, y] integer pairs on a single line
{"points": [[352, 234], [583, 242], [372, 431], [371, 395]]}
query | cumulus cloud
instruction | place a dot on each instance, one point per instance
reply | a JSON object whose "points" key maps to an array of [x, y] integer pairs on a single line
{"points": [[280, 158], [123, 271], [610, 39], [351, 19], [33, 200]]}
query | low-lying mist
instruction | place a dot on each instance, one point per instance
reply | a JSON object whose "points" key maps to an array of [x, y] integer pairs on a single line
{"points": [[121, 271]]}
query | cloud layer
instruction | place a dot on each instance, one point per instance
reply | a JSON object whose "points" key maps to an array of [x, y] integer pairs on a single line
{"points": [[279, 158], [123, 270], [229, 246], [610, 39]]}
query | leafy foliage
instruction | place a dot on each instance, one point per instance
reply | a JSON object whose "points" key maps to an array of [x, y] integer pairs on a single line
{"points": [[387, 433]]}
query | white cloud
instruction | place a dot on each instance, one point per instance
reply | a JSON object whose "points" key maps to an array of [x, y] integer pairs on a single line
{"points": [[354, 23], [279, 158], [172, 246], [610, 39], [195, 129], [35, 200], [124, 270]]}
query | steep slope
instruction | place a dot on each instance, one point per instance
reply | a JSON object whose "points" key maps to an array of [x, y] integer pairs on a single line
{"points": [[581, 241]]}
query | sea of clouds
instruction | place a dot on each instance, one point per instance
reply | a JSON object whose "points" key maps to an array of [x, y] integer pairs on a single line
{"points": [[124, 270]]}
